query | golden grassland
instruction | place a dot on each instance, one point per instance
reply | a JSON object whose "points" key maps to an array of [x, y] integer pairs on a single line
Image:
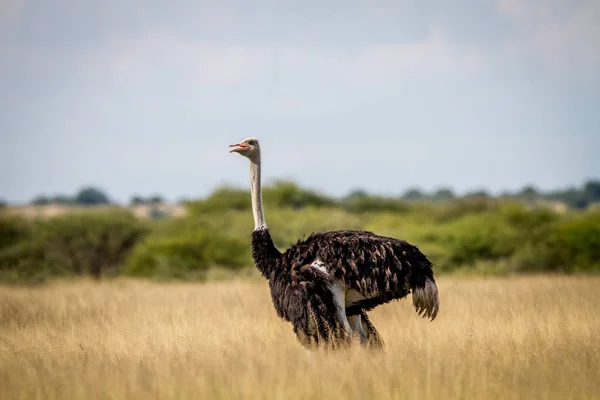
{"points": [[525, 337]]}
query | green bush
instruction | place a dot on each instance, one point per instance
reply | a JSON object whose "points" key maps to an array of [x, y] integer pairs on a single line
{"points": [[186, 249], [285, 194], [92, 243], [222, 199], [281, 194], [527, 219], [473, 235], [81, 243], [361, 202], [459, 208], [474, 238], [13, 229], [22, 254], [571, 244], [504, 233], [29, 261]]}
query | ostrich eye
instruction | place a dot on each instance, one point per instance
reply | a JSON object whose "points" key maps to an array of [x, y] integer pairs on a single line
{"points": [[251, 143]]}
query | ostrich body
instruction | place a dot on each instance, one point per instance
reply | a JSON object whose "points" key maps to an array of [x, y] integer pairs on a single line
{"points": [[325, 284]]}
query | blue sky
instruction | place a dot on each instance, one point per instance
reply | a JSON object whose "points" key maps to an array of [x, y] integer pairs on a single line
{"points": [[143, 96]]}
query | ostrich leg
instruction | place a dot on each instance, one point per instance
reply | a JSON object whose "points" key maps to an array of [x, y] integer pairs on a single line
{"points": [[339, 297], [357, 327], [374, 340], [323, 323], [365, 330]]}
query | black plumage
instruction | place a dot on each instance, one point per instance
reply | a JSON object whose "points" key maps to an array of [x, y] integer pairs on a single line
{"points": [[325, 285], [377, 268]]}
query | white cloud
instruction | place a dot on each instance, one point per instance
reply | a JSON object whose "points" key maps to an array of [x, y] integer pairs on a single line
{"points": [[203, 63], [225, 64], [559, 32], [382, 63], [566, 41], [435, 55]]}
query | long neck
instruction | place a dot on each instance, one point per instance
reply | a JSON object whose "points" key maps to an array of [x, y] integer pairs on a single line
{"points": [[265, 254], [256, 193]]}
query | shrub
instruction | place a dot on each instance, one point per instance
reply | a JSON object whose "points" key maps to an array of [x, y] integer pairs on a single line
{"points": [[222, 199], [186, 249], [476, 238], [81, 243], [13, 229], [477, 235], [281, 194], [462, 207], [91, 243], [23, 256], [284, 194], [571, 244], [360, 202], [28, 261], [527, 219]]}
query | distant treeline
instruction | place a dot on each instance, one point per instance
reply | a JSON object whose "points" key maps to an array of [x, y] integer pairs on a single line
{"points": [[575, 197], [91, 196], [470, 234], [288, 194]]}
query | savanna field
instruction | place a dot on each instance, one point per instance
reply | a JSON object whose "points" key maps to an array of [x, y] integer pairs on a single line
{"points": [[519, 337], [97, 303]]}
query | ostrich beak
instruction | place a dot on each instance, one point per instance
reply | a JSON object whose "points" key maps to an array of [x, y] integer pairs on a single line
{"points": [[238, 147]]}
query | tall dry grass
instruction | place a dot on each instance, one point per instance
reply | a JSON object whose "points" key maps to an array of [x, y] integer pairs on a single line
{"points": [[533, 337]]}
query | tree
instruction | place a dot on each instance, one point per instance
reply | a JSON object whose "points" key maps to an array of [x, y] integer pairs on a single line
{"points": [[356, 194], [413, 194], [592, 190], [90, 196], [289, 195], [572, 196], [137, 200], [443, 194], [528, 193]]}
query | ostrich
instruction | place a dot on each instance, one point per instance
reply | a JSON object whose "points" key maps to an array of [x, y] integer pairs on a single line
{"points": [[325, 284]]}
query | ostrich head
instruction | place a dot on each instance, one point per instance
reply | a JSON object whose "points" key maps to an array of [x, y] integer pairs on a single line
{"points": [[248, 148]]}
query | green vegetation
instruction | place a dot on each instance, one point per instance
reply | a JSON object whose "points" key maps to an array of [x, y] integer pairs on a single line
{"points": [[82, 243], [186, 249], [471, 234]]}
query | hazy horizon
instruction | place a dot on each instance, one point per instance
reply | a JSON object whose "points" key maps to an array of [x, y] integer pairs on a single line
{"points": [[241, 186], [144, 97]]}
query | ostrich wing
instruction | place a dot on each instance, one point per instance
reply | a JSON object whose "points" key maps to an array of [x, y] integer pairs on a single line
{"points": [[377, 268]]}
